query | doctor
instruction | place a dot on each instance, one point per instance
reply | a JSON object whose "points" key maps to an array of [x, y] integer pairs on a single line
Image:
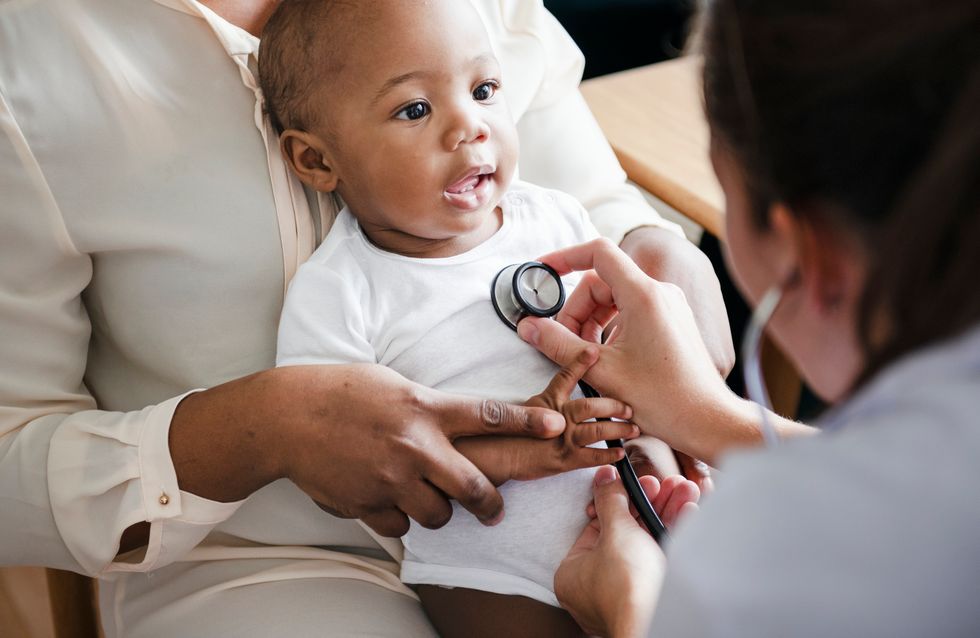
{"points": [[848, 146]]}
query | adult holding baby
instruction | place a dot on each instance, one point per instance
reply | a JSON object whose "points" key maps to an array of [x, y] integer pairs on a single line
{"points": [[848, 147], [150, 227]]}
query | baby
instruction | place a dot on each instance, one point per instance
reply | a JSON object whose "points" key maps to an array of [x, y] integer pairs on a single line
{"points": [[397, 106]]}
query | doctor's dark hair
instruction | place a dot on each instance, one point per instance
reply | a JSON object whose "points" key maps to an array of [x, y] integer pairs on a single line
{"points": [[865, 113]]}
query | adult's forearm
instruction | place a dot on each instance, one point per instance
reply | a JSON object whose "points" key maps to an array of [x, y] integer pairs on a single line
{"points": [[728, 426], [221, 444], [224, 442]]}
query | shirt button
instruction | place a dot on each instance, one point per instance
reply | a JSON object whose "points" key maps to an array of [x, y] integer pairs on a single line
{"points": [[164, 499], [518, 201]]}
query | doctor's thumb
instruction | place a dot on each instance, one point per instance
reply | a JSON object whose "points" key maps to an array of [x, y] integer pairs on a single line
{"points": [[552, 339], [611, 503]]}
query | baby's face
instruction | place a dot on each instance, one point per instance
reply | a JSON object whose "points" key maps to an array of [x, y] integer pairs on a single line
{"points": [[421, 140]]}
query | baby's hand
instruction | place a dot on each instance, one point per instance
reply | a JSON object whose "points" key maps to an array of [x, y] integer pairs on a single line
{"points": [[505, 458], [673, 499]]}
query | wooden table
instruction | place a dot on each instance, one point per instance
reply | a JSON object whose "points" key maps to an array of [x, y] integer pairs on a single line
{"points": [[654, 120]]}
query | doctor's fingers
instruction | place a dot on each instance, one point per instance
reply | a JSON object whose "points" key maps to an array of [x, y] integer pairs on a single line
{"points": [[675, 493], [613, 266], [612, 505], [556, 342], [458, 478], [589, 308]]}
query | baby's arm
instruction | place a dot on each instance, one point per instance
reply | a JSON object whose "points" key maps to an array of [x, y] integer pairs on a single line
{"points": [[514, 458], [322, 320]]}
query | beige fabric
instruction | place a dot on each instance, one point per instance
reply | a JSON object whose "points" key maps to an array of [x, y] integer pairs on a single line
{"points": [[148, 228]]}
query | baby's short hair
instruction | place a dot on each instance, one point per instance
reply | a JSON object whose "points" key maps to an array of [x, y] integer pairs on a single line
{"points": [[301, 48]]}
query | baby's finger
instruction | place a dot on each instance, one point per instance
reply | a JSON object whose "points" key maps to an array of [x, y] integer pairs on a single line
{"points": [[582, 457], [563, 383], [589, 308], [584, 434], [581, 410]]}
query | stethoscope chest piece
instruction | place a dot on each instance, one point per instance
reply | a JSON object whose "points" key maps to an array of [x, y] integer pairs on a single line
{"points": [[528, 289]]}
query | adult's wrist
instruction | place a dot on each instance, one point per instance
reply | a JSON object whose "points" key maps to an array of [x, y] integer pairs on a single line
{"points": [[224, 441], [711, 426]]}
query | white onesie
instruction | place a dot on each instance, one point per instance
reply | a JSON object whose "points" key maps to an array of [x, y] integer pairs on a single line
{"points": [[432, 321]]}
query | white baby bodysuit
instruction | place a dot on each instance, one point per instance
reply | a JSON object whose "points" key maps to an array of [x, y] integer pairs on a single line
{"points": [[432, 321]]}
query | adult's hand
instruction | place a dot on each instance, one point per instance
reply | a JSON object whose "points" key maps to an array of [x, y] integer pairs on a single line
{"points": [[611, 577], [505, 458], [360, 440], [656, 361], [667, 257]]}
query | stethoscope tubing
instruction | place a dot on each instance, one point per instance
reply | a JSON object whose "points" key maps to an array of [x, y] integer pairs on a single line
{"points": [[631, 482]]}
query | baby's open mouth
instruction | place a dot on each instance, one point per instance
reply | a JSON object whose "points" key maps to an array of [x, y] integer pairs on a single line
{"points": [[471, 191], [473, 180]]}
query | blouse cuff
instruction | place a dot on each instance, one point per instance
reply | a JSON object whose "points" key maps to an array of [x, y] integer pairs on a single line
{"points": [[108, 471], [179, 520]]}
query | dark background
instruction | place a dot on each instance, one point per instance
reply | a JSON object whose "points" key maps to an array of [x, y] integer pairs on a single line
{"points": [[622, 34]]}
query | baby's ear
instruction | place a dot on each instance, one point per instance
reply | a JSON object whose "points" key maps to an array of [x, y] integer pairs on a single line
{"points": [[305, 154]]}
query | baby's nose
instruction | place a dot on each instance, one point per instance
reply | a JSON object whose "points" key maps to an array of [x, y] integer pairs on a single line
{"points": [[467, 129]]}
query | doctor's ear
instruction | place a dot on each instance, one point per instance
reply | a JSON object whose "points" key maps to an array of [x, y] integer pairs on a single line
{"points": [[821, 259], [306, 154]]}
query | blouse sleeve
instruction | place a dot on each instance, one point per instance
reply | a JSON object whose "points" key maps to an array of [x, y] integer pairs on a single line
{"points": [[72, 477], [562, 146]]}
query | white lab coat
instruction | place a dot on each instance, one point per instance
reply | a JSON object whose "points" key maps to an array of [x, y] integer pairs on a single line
{"points": [[148, 228], [871, 529]]}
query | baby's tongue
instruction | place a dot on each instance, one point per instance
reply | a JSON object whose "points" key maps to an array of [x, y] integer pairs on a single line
{"points": [[468, 183]]}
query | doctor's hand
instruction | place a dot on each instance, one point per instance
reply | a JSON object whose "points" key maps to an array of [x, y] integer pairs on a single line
{"points": [[656, 361], [665, 256], [611, 577], [520, 458], [360, 440]]}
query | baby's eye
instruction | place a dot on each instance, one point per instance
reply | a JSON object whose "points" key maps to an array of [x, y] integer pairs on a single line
{"points": [[414, 111], [485, 91]]}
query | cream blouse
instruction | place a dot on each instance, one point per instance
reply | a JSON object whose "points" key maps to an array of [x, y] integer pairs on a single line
{"points": [[148, 228]]}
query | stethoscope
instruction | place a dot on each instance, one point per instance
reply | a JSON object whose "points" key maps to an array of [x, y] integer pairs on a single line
{"points": [[535, 289]]}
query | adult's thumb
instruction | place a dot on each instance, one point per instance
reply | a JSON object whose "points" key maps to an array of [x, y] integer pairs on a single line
{"points": [[612, 505], [554, 340]]}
